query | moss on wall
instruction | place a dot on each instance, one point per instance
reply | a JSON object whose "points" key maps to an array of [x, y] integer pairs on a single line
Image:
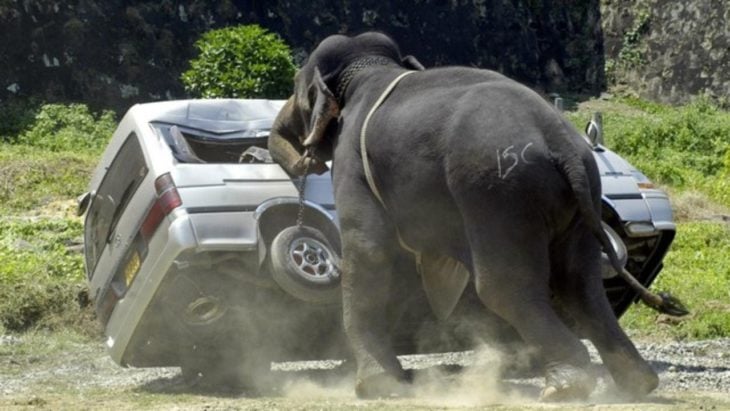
{"points": [[669, 51]]}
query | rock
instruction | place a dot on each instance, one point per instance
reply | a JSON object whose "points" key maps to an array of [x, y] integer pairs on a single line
{"points": [[22, 245], [9, 340]]}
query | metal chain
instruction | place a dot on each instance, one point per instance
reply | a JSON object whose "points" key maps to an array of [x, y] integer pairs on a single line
{"points": [[302, 186]]}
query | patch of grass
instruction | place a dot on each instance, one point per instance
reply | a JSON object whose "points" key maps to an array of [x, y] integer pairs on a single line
{"points": [[41, 274], [32, 177], [41, 343], [692, 205], [697, 270]]}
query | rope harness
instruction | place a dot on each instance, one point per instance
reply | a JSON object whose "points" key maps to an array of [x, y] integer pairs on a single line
{"points": [[366, 163]]}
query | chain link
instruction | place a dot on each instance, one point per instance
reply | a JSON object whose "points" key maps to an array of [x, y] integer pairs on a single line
{"points": [[302, 186]]}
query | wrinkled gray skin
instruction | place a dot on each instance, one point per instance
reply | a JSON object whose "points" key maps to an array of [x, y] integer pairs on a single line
{"points": [[472, 165]]}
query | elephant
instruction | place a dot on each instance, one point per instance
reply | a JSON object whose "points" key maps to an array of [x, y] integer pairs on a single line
{"points": [[466, 167]]}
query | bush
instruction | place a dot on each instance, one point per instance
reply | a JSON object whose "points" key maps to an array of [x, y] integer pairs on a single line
{"points": [[72, 127], [16, 116], [240, 62]]}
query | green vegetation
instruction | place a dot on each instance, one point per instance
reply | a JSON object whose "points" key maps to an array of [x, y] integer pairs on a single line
{"points": [[52, 156], [686, 150], [15, 116], [240, 62], [41, 273], [59, 127], [698, 270], [32, 178], [43, 168]]}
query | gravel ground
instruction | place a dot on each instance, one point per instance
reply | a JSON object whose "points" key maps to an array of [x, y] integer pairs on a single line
{"points": [[79, 375]]}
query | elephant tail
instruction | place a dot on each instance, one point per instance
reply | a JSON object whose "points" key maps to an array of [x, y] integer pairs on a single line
{"points": [[575, 171]]}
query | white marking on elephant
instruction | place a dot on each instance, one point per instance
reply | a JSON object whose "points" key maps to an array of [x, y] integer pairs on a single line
{"points": [[508, 154], [522, 153]]}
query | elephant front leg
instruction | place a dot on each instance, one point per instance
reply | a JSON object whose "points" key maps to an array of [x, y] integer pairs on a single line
{"points": [[367, 266]]}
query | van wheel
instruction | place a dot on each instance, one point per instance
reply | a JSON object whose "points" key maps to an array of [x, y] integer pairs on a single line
{"points": [[305, 265]]}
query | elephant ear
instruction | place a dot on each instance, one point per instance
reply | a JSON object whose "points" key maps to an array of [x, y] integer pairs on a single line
{"points": [[412, 63], [324, 110]]}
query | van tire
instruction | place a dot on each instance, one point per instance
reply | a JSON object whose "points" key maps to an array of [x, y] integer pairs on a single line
{"points": [[305, 265]]}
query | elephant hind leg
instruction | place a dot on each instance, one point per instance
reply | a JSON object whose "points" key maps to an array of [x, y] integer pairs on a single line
{"points": [[512, 274], [580, 289]]}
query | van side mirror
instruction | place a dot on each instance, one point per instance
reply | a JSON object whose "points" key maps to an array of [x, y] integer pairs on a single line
{"points": [[83, 202], [594, 129]]}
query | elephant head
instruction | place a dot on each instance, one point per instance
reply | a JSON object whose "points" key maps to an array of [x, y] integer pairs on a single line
{"points": [[307, 122]]}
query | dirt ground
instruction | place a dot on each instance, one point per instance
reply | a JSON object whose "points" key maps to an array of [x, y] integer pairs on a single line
{"points": [[70, 373]]}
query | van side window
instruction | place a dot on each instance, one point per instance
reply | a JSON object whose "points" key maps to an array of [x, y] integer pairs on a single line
{"points": [[122, 179]]}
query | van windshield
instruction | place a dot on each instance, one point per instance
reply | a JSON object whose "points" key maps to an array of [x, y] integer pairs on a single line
{"points": [[120, 182], [197, 146]]}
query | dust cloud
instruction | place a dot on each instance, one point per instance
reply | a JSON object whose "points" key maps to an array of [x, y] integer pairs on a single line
{"points": [[477, 384], [467, 379]]}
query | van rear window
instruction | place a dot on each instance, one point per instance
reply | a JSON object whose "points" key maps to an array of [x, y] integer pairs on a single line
{"points": [[119, 184]]}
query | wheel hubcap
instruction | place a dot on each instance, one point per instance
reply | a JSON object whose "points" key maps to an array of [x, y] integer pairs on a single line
{"points": [[313, 260]]}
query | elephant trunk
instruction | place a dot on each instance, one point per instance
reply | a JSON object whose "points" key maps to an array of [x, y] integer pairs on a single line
{"points": [[285, 144]]}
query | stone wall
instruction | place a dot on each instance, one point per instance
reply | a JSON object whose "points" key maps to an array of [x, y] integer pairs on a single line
{"points": [[113, 53], [105, 53], [669, 50]]}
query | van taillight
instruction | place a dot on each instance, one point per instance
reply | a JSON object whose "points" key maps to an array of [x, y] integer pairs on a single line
{"points": [[167, 200], [167, 194]]}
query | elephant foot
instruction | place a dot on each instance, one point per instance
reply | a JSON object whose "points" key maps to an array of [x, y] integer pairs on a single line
{"points": [[564, 382], [638, 382], [383, 385]]}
